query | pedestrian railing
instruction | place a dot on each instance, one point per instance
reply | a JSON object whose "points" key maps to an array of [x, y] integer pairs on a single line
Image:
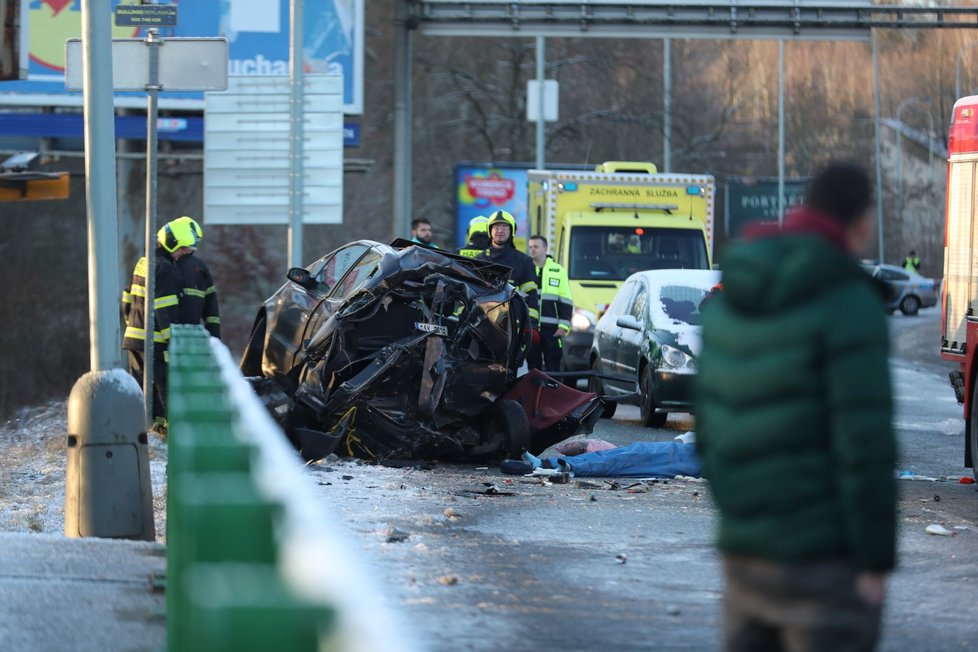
{"points": [[253, 563]]}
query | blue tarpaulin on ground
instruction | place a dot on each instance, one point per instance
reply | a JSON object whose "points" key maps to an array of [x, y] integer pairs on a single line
{"points": [[647, 459]]}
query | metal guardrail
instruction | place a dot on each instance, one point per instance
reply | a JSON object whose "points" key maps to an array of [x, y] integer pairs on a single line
{"points": [[817, 19], [253, 563]]}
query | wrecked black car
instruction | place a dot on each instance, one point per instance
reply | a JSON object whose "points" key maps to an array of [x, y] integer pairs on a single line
{"points": [[398, 351]]}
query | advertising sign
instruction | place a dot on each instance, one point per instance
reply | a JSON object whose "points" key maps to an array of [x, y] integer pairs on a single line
{"points": [[258, 44], [482, 189], [756, 200]]}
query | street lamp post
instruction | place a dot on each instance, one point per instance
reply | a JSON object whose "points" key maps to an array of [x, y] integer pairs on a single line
{"points": [[957, 67]]}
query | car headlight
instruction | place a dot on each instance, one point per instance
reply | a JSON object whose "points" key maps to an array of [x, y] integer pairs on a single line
{"points": [[583, 320], [673, 357]]}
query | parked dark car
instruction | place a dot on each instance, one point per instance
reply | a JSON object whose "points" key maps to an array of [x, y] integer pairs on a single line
{"points": [[394, 351], [907, 291], [646, 344]]}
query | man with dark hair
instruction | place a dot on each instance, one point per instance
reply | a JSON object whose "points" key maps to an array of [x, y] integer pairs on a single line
{"points": [[421, 232], [793, 414], [556, 307]]}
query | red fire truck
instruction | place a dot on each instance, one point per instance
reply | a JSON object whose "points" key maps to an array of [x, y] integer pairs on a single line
{"points": [[959, 308]]}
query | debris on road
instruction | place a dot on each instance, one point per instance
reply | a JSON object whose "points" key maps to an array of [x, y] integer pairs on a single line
{"points": [[451, 514], [448, 580], [910, 475], [939, 530], [490, 490], [621, 557], [394, 535]]}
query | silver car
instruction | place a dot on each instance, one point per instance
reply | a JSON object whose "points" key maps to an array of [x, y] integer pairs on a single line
{"points": [[646, 344], [906, 291]]}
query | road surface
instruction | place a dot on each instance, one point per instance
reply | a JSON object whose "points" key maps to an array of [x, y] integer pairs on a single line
{"points": [[525, 566]]}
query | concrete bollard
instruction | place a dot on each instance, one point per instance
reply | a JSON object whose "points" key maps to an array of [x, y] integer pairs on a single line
{"points": [[109, 491]]}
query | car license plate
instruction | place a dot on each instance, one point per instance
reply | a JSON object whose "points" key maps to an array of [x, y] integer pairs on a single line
{"points": [[435, 329]]}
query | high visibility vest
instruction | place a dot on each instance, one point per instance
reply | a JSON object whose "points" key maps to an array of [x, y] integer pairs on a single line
{"points": [[556, 299]]}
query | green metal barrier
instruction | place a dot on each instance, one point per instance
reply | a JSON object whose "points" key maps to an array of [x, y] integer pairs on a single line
{"points": [[225, 589]]}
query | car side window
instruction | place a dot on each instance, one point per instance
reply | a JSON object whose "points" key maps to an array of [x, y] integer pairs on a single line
{"points": [[357, 275], [893, 275], [640, 304], [621, 300], [337, 266]]}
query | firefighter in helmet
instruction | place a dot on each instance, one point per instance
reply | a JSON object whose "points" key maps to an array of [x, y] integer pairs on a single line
{"points": [[199, 301], [174, 241], [477, 239], [501, 227]]}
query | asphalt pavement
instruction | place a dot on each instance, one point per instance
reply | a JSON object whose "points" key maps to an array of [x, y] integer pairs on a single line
{"points": [[482, 561]]}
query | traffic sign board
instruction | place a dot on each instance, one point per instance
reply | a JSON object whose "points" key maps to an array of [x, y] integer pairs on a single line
{"points": [[186, 64], [246, 151]]}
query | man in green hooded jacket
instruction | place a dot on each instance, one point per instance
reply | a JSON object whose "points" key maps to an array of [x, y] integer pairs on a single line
{"points": [[794, 427]]}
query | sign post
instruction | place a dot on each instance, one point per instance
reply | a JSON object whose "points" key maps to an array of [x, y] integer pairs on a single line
{"points": [[153, 65]]}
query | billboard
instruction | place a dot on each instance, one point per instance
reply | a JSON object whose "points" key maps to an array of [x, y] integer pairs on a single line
{"points": [[756, 200], [258, 44], [481, 189]]}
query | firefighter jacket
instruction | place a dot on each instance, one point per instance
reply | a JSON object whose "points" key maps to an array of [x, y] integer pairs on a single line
{"points": [[166, 304], [199, 301], [523, 277], [556, 300]]}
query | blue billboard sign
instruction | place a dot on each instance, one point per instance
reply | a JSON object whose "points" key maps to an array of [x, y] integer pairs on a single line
{"points": [[258, 44], [481, 189]]}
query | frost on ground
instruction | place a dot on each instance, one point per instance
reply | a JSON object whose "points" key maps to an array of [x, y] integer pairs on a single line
{"points": [[33, 459]]}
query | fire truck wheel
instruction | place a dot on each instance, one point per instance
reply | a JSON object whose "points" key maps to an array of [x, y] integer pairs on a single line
{"points": [[971, 432], [910, 305]]}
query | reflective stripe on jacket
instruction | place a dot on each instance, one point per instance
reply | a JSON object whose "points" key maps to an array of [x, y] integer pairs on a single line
{"points": [[199, 302], [556, 299], [523, 276], [166, 304]]}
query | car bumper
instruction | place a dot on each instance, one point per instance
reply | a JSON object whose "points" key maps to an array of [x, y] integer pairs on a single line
{"points": [[673, 390], [577, 349]]}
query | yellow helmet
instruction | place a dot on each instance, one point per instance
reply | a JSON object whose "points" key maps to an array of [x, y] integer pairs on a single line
{"points": [[502, 217], [477, 225], [193, 225], [178, 234]]}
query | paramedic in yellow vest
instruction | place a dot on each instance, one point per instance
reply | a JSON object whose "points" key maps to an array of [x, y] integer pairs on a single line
{"points": [[912, 263], [477, 239], [556, 308]]}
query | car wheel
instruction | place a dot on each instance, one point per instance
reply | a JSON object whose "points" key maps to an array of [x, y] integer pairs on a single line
{"points": [[251, 360], [595, 386], [910, 305], [650, 417], [516, 424]]}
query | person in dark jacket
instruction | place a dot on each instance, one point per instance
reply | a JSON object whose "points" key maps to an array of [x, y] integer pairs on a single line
{"points": [[793, 416], [477, 239], [502, 227], [174, 241], [199, 302]]}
